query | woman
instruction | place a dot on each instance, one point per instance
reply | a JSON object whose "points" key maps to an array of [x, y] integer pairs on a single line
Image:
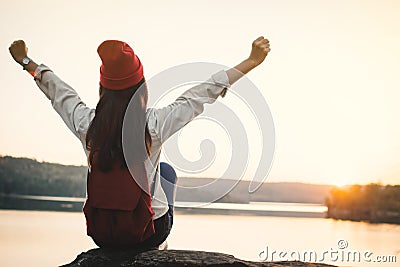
{"points": [[120, 211]]}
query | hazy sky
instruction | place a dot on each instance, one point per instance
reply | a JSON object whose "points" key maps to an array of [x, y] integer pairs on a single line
{"points": [[331, 80]]}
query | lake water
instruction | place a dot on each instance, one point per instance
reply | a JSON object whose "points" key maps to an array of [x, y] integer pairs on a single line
{"points": [[251, 208], [45, 238]]}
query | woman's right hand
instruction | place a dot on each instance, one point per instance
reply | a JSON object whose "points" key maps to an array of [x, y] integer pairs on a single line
{"points": [[18, 50], [260, 49]]}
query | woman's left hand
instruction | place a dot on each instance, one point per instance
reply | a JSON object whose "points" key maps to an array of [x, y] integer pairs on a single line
{"points": [[18, 50]]}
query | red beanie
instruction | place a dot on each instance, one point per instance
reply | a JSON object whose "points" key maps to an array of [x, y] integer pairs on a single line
{"points": [[120, 68]]}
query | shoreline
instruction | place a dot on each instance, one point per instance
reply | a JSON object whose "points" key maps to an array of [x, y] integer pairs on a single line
{"points": [[64, 204], [279, 209]]}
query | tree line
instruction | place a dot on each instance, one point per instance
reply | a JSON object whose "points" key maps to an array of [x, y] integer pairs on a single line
{"points": [[372, 202], [26, 176]]}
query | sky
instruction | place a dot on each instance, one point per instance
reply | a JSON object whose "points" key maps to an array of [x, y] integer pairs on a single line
{"points": [[331, 79]]}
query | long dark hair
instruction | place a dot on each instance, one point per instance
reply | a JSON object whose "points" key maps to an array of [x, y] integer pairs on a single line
{"points": [[105, 130]]}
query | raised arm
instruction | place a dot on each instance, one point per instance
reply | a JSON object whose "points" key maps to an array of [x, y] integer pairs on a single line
{"points": [[165, 121], [63, 97], [168, 120], [259, 51]]}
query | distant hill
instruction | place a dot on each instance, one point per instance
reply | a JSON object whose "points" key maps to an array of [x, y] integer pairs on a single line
{"points": [[268, 192], [29, 177]]}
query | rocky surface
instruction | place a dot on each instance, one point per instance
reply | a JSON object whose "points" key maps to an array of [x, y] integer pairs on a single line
{"points": [[101, 257]]}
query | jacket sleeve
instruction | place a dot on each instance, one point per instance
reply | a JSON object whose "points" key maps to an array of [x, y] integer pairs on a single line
{"points": [[164, 122], [65, 101]]}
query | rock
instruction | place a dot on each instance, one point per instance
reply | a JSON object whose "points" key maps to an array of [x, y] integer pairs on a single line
{"points": [[127, 258]]}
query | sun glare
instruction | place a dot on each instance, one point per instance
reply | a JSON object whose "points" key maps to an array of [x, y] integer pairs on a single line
{"points": [[340, 183]]}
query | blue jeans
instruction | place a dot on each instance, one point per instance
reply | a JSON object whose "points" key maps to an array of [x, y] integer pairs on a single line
{"points": [[163, 225], [168, 183]]}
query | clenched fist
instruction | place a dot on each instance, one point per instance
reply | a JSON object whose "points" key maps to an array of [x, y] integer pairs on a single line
{"points": [[18, 50], [260, 49]]}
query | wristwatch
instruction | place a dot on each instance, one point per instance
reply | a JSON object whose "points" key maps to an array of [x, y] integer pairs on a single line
{"points": [[25, 61]]}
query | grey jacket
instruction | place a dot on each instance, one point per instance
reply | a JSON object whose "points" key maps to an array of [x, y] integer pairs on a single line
{"points": [[162, 122]]}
